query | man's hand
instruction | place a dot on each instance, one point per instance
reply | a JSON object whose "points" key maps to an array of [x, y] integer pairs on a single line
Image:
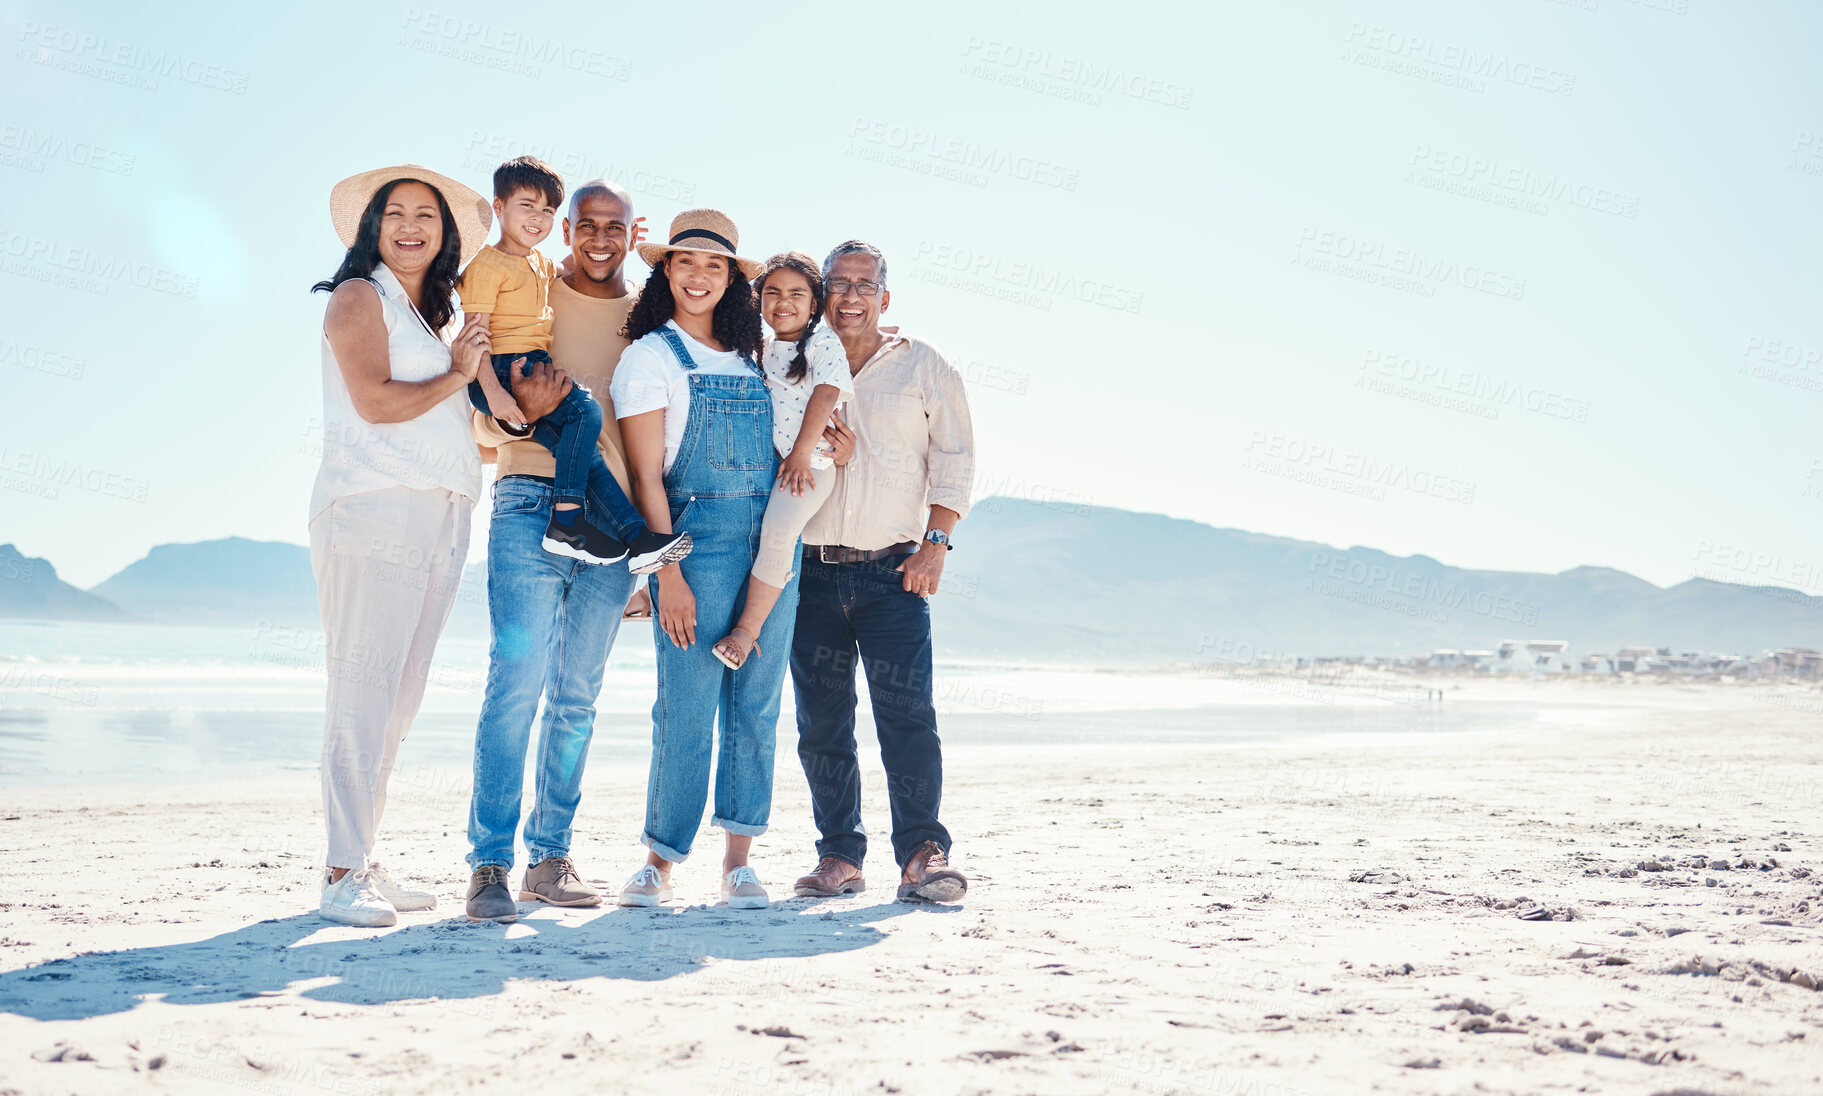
{"points": [[539, 394], [920, 572], [639, 606], [840, 436]]}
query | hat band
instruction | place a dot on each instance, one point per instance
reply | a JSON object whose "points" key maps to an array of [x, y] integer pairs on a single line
{"points": [[705, 234]]}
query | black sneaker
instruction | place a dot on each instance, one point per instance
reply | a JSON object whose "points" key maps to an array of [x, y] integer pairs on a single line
{"points": [[582, 541], [650, 551]]}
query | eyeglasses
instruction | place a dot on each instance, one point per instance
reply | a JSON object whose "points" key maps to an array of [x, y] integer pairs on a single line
{"points": [[865, 289]]}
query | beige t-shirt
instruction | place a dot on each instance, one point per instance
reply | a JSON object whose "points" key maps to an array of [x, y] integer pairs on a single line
{"points": [[585, 343]]}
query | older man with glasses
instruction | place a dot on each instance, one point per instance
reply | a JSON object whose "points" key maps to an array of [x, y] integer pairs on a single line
{"points": [[873, 555]]}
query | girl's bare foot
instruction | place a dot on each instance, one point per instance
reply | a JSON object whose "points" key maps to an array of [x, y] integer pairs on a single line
{"points": [[732, 649]]}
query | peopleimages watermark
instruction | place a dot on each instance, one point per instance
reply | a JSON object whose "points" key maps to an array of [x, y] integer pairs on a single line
{"points": [[42, 359], [1403, 268], [1064, 76], [980, 374], [30, 149], [1806, 153], [510, 50], [86, 268], [1467, 391], [1024, 282], [1723, 561], [1414, 594], [44, 476], [1448, 63], [30, 679], [995, 490], [1782, 361], [1290, 457], [115, 61], [487, 151], [948, 156], [1512, 186]]}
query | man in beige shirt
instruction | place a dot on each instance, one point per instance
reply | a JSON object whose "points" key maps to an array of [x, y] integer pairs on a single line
{"points": [[553, 618], [872, 556]]}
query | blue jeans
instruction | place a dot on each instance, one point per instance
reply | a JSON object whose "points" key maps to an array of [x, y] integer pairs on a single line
{"points": [[842, 608], [553, 621], [572, 432], [718, 488]]}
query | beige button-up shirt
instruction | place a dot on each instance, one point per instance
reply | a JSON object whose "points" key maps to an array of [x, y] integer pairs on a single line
{"points": [[914, 449]]}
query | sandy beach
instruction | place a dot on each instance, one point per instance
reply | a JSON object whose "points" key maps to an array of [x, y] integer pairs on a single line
{"points": [[1519, 911]]}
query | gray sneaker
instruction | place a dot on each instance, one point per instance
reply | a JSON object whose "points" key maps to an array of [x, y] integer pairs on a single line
{"points": [[488, 898], [554, 880]]}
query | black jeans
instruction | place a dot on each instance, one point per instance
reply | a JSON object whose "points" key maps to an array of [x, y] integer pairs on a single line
{"points": [[842, 608]]}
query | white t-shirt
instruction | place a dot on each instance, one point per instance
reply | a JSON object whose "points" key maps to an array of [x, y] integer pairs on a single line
{"points": [[828, 364], [650, 377]]}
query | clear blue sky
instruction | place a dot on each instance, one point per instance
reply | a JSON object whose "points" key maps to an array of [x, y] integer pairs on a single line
{"points": [[1473, 280]]}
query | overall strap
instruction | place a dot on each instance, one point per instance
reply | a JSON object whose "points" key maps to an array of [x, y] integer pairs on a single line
{"points": [[677, 347]]}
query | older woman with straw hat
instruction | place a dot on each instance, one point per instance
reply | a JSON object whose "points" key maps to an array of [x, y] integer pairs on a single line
{"points": [[389, 517], [697, 422]]}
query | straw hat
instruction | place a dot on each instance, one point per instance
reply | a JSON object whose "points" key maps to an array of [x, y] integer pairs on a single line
{"points": [[706, 230], [349, 200]]}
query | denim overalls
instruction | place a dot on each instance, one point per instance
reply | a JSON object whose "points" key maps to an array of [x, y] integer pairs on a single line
{"points": [[718, 488]]}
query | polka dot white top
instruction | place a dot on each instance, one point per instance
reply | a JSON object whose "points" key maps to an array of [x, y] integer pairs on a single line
{"points": [[828, 365]]}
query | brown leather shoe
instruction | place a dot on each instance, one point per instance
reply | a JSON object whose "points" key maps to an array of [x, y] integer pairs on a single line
{"points": [[833, 876], [928, 876]]}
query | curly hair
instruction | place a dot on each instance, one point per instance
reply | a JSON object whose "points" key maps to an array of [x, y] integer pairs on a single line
{"points": [[735, 322], [436, 299], [807, 266]]}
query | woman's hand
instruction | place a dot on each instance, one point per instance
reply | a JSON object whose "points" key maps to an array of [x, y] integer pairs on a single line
{"points": [[840, 436], [794, 474], [676, 606], [469, 350]]}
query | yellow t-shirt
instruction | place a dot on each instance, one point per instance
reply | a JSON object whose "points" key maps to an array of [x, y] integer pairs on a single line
{"points": [[515, 291]]}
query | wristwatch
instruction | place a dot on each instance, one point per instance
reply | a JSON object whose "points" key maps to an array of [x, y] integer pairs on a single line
{"points": [[938, 536]]}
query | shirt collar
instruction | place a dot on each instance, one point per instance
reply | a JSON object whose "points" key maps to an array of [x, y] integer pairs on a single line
{"points": [[893, 339], [387, 281]]}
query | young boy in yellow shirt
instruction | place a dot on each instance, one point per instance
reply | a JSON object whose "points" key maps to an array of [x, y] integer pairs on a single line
{"points": [[508, 286]]}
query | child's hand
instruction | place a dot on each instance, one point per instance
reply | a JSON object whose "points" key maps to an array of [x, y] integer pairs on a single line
{"points": [[794, 474], [500, 403]]}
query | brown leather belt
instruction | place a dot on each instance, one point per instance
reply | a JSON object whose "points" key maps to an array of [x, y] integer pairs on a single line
{"points": [[835, 553]]}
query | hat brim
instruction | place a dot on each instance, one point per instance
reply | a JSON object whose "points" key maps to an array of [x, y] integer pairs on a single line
{"points": [[474, 214], [654, 253]]}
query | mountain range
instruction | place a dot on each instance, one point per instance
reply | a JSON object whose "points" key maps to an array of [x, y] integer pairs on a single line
{"points": [[1030, 579]]}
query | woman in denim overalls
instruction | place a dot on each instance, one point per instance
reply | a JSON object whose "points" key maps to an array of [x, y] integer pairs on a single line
{"points": [[697, 422]]}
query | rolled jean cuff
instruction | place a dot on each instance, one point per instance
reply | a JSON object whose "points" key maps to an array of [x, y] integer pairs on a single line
{"points": [[663, 849], [489, 861], [742, 828]]}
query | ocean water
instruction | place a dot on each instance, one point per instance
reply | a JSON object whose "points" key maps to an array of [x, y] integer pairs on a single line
{"points": [[109, 703]]}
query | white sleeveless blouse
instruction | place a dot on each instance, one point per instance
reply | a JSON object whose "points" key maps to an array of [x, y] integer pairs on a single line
{"points": [[436, 449]]}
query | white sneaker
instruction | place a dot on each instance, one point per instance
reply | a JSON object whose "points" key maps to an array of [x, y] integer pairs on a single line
{"points": [[742, 891], [404, 899], [646, 888], [353, 900]]}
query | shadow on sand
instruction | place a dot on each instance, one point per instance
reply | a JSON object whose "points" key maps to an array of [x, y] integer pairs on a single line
{"points": [[461, 963]]}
